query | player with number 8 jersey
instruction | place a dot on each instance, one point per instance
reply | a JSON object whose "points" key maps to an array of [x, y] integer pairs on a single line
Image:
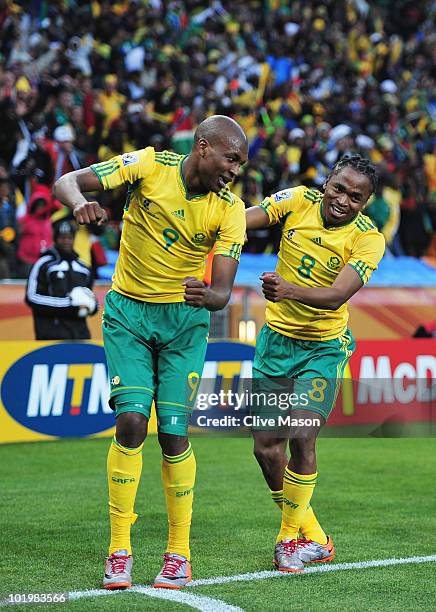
{"points": [[328, 251], [156, 317], [312, 255]]}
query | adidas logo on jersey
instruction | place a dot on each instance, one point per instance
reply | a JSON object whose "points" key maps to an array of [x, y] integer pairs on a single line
{"points": [[316, 240], [180, 214]]}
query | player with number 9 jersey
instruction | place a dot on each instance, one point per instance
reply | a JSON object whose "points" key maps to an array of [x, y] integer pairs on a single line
{"points": [[167, 233], [157, 315]]}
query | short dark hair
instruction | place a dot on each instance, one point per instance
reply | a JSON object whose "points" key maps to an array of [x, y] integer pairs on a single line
{"points": [[360, 164]]}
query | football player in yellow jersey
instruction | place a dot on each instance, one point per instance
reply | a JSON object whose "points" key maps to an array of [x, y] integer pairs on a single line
{"points": [[156, 316], [328, 251]]}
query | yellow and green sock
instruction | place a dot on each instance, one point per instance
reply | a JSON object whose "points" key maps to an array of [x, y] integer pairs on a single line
{"points": [[297, 493], [277, 497], [178, 477], [310, 527], [124, 466]]}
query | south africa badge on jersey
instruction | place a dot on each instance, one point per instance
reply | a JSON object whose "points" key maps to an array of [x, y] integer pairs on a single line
{"points": [[334, 263]]}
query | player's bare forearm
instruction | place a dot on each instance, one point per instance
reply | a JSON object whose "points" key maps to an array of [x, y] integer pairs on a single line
{"points": [[217, 295], [327, 298], [222, 279], [66, 189], [256, 218], [69, 189], [218, 298], [199, 295], [276, 289]]}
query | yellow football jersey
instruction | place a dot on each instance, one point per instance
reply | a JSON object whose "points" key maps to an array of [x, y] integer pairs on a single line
{"points": [[167, 235], [312, 255]]}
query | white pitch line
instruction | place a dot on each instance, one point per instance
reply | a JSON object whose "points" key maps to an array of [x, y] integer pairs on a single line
{"points": [[198, 602], [208, 604], [310, 570]]}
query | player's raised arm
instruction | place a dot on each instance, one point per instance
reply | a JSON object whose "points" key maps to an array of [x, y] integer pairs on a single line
{"points": [[69, 189]]}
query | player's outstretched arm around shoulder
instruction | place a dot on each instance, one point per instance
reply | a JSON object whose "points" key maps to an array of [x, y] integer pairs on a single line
{"points": [[347, 283], [69, 189], [215, 297], [256, 217], [274, 208]]}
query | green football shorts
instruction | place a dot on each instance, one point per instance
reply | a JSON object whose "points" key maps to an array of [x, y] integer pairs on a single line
{"points": [[154, 352], [298, 374]]}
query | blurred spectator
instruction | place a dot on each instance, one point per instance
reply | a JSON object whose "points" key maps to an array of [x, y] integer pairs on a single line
{"points": [[62, 112], [36, 228], [308, 81], [35, 164], [111, 101], [59, 290], [415, 232], [378, 209], [8, 228], [260, 240], [392, 196], [65, 156], [117, 141], [10, 132]]}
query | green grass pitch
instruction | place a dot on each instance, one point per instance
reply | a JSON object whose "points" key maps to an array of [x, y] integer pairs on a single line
{"points": [[375, 496]]}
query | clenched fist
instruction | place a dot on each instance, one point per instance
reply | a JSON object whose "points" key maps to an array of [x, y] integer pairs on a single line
{"points": [[196, 292], [275, 288], [90, 212]]}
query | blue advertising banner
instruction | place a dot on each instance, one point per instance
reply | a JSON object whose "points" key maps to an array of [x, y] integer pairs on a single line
{"points": [[55, 389]]}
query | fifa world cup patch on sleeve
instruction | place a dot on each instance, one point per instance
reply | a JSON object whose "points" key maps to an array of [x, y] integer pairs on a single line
{"points": [[129, 158], [285, 194]]}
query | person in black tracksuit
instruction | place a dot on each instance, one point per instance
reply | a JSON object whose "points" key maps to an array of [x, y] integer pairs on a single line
{"points": [[59, 290]]}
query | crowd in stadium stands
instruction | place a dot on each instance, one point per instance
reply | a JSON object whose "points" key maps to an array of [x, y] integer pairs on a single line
{"points": [[81, 81]]}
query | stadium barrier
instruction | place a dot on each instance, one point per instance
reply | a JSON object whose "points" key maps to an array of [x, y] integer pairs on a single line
{"points": [[382, 313], [53, 390]]}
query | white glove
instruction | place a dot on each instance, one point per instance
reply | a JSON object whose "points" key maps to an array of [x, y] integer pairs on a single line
{"points": [[91, 296], [83, 298]]}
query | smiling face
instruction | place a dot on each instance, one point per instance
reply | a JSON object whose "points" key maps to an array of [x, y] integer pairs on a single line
{"points": [[345, 195], [220, 161]]}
